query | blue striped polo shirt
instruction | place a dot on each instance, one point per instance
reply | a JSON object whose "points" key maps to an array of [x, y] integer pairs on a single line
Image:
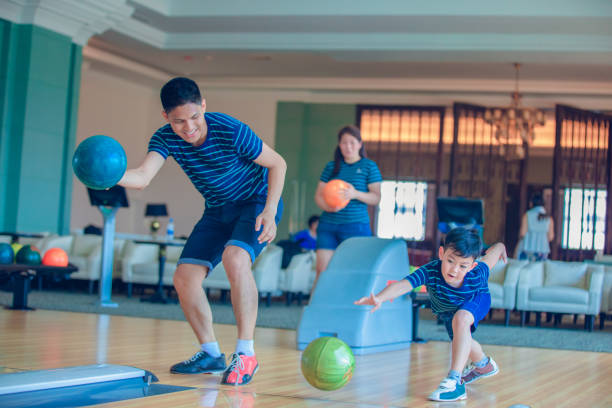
{"points": [[445, 298], [359, 174], [222, 168]]}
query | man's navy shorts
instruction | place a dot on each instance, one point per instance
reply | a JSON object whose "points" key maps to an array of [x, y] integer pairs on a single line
{"points": [[230, 224]]}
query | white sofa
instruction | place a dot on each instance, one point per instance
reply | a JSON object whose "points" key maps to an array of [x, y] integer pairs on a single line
{"points": [[140, 265], [503, 280], [606, 296], [297, 279], [55, 241], [217, 280], [561, 288], [267, 271], [86, 254]]}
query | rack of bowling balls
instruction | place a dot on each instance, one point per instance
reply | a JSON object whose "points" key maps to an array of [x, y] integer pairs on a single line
{"points": [[20, 264], [30, 255]]}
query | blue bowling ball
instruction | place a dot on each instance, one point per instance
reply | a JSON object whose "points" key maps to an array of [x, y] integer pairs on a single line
{"points": [[6, 253], [99, 162]]}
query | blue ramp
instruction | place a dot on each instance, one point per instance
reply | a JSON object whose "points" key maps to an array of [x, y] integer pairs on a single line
{"points": [[359, 266]]}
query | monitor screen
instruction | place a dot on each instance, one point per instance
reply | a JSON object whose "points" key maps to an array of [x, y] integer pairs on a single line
{"points": [[460, 210], [113, 197]]}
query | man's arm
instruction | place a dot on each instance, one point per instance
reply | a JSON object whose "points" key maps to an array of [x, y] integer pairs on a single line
{"points": [[277, 167], [141, 176]]}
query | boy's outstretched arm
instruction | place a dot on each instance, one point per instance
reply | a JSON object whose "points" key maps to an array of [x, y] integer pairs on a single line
{"points": [[141, 176], [494, 254], [390, 292], [277, 168]]}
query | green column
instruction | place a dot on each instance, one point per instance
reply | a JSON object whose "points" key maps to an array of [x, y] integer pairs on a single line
{"points": [[306, 136], [40, 77]]}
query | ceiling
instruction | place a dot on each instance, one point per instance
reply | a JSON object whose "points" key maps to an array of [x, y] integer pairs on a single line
{"points": [[554, 40], [563, 45]]}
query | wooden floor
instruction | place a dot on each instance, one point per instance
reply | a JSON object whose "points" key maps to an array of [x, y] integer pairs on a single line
{"points": [[535, 377]]}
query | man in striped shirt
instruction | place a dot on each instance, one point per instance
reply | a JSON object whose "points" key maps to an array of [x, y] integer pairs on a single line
{"points": [[241, 180], [459, 291]]}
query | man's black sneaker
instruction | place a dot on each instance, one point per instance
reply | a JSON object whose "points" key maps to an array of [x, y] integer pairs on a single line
{"points": [[200, 363]]}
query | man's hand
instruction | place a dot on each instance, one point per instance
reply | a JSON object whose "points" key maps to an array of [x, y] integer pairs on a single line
{"points": [[371, 301], [268, 232]]}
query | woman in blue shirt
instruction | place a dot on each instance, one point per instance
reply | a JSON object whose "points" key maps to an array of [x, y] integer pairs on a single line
{"points": [[363, 176]]}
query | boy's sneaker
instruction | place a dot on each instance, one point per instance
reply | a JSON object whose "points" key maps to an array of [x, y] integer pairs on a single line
{"points": [[449, 390], [200, 363], [241, 369], [472, 373]]}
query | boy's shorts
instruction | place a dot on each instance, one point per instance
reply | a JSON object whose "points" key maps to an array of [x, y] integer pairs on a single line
{"points": [[330, 235], [478, 307], [230, 224]]}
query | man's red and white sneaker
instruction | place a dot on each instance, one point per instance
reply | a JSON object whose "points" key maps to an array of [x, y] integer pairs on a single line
{"points": [[240, 370]]}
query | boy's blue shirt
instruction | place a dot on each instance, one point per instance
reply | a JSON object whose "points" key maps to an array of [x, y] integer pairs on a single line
{"points": [[445, 298]]}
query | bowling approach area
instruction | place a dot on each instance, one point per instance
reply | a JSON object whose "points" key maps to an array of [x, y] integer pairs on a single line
{"points": [[41, 339]]}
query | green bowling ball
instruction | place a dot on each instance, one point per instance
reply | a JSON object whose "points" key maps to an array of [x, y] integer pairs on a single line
{"points": [[328, 363], [28, 256]]}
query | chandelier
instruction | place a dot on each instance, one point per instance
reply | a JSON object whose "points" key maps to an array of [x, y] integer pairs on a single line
{"points": [[515, 124]]}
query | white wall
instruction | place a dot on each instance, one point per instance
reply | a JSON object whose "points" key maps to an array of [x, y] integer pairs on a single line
{"points": [[130, 112], [117, 105]]}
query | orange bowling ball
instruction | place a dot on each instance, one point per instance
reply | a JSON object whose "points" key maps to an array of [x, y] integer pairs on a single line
{"points": [[55, 257], [332, 193]]}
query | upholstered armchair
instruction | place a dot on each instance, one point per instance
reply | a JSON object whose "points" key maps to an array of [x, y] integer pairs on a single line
{"points": [[217, 280], [140, 264], [296, 280], [503, 280], [606, 296], [266, 271], [561, 287], [86, 254], [134, 254], [56, 241]]}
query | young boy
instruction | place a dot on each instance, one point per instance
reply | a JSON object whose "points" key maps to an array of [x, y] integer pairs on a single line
{"points": [[459, 293], [241, 179]]}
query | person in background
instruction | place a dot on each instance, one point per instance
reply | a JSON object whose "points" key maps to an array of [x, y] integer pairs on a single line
{"points": [[336, 225], [537, 231], [307, 238]]}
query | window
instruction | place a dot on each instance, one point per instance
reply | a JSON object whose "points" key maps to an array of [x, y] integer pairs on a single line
{"points": [[584, 215], [401, 212], [393, 124]]}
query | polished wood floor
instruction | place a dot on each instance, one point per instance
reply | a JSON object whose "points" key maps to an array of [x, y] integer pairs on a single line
{"points": [[535, 377]]}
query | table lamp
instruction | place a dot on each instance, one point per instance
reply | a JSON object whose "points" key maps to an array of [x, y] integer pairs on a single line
{"points": [[155, 211]]}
